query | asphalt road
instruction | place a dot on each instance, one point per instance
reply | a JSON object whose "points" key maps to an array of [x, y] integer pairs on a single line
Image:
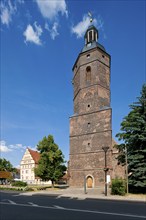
{"points": [[47, 207]]}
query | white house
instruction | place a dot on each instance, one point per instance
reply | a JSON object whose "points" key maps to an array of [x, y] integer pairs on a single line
{"points": [[28, 163]]}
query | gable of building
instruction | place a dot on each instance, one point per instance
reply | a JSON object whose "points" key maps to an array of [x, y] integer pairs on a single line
{"points": [[35, 155], [30, 156]]}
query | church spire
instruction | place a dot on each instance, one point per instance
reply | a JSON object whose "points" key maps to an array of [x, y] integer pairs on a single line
{"points": [[90, 15], [91, 34]]}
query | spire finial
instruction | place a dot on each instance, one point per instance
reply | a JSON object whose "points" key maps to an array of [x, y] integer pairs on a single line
{"points": [[90, 15]]}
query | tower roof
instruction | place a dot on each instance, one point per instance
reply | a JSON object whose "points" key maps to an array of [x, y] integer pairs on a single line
{"points": [[91, 27], [93, 45], [91, 38]]}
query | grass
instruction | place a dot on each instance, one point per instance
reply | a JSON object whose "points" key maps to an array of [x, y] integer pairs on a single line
{"points": [[29, 187]]}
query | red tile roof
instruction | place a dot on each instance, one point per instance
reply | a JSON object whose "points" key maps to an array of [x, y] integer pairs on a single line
{"points": [[35, 155]]}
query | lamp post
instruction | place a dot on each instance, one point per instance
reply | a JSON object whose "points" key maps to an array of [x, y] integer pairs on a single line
{"points": [[85, 191], [127, 188], [105, 168]]}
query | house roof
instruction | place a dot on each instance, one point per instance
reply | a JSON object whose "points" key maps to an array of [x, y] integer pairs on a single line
{"points": [[35, 155], [5, 175]]}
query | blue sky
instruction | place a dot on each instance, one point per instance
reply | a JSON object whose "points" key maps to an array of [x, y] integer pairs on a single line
{"points": [[40, 41]]}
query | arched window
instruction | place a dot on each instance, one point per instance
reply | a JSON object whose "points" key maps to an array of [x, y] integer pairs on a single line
{"points": [[88, 74]]}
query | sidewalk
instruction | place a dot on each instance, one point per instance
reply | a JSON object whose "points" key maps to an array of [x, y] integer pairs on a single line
{"points": [[79, 193]]}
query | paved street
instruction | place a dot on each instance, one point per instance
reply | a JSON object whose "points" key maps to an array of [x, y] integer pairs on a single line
{"points": [[53, 207]]}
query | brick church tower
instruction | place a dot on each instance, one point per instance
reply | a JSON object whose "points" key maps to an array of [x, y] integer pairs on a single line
{"points": [[90, 126]]}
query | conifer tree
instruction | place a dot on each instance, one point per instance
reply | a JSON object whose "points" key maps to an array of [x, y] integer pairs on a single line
{"points": [[133, 134]]}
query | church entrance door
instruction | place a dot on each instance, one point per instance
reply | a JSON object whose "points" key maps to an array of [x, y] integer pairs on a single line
{"points": [[89, 182]]}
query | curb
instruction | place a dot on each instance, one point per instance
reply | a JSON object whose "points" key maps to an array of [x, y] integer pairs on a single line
{"points": [[83, 196]]}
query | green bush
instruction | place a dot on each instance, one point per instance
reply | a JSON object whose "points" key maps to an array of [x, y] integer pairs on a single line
{"points": [[29, 189], [19, 183], [41, 188], [10, 188], [118, 187]]}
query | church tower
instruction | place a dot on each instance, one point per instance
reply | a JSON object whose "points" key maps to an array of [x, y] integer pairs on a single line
{"points": [[90, 126]]}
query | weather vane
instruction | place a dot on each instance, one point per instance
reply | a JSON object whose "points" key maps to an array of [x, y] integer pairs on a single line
{"points": [[90, 15]]}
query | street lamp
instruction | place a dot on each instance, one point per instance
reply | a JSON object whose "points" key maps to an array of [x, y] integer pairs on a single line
{"points": [[126, 162], [85, 191], [105, 169]]}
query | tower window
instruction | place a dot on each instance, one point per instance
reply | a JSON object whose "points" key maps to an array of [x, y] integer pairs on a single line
{"points": [[90, 36], [88, 106], [88, 69], [103, 56], [88, 55], [94, 35], [88, 74], [88, 144], [89, 124]]}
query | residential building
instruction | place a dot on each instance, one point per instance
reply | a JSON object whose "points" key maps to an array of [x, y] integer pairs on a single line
{"points": [[28, 163]]}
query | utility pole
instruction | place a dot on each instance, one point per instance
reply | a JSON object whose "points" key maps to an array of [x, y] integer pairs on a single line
{"points": [[105, 168], [126, 161], [85, 191]]}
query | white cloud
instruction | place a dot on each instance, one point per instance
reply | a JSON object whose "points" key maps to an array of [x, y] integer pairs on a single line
{"points": [[53, 31], [50, 9], [11, 147], [47, 27], [3, 147], [7, 10], [16, 146], [13, 152], [5, 16], [82, 26], [33, 34]]}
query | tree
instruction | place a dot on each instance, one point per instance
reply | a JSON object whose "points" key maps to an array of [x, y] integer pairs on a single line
{"points": [[133, 134], [5, 165], [51, 164]]}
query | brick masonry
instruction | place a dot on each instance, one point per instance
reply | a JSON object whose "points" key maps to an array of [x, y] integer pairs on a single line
{"points": [[90, 126]]}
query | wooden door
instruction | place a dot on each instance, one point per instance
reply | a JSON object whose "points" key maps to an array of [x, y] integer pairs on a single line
{"points": [[89, 182]]}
